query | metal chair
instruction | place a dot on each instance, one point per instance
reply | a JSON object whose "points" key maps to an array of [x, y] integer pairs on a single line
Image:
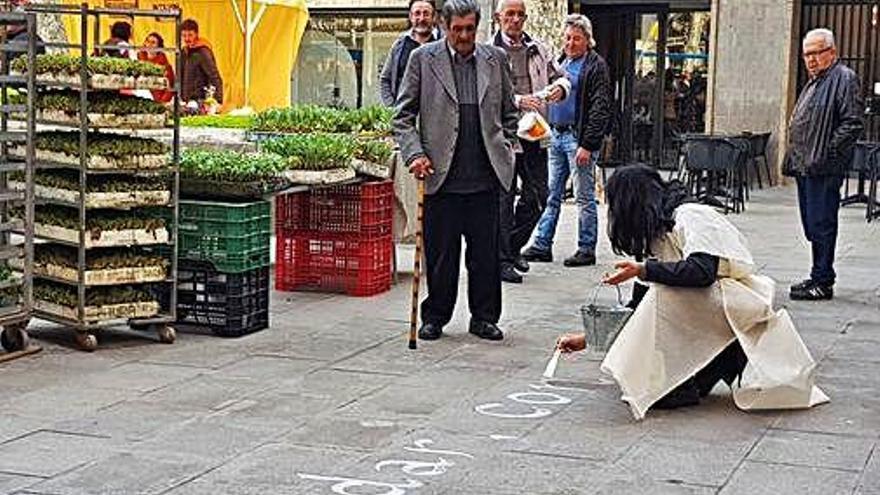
{"points": [[860, 166], [873, 208], [758, 151], [716, 165]]}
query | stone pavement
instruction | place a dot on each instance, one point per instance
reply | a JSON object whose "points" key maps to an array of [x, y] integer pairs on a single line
{"points": [[329, 400]]}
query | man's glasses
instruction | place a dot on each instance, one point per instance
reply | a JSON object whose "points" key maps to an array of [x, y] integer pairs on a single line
{"points": [[816, 53]]}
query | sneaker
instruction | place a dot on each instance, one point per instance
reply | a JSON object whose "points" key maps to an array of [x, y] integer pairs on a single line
{"points": [[802, 285], [521, 264], [508, 274], [537, 255], [581, 258], [813, 292]]}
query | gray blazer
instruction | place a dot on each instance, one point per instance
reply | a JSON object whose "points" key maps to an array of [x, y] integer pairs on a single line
{"points": [[426, 120]]}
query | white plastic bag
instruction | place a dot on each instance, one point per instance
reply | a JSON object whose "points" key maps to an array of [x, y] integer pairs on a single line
{"points": [[533, 127]]}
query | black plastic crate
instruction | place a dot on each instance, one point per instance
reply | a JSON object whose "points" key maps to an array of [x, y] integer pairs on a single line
{"points": [[229, 304]]}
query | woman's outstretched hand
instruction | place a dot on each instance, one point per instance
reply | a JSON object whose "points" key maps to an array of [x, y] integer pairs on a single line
{"points": [[571, 342], [626, 270]]}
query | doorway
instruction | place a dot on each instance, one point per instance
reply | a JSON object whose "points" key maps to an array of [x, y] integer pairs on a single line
{"points": [[657, 56]]}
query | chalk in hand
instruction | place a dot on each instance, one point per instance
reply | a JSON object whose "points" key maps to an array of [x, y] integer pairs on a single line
{"points": [[550, 370]]}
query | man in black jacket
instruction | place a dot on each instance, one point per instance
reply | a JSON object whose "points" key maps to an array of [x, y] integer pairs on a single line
{"points": [[199, 66], [826, 123]]}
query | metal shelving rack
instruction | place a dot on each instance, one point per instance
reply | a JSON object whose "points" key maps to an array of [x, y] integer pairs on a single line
{"points": [[15, 318], [165, 292]]}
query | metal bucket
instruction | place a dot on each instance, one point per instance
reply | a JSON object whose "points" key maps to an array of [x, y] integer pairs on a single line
{"points": [[602, 322]]}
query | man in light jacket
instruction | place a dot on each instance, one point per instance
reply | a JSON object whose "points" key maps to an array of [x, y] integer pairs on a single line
{"points": [[421, 17], [826, 123], [537, 80], [456, 127]]}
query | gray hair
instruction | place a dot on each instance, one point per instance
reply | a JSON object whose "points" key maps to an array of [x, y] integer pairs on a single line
{"points": [[583, 23], [459, 8], [825, 34], [504, 3]]}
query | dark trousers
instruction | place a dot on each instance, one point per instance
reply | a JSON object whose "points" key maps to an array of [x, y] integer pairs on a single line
{"points": [[448, 217], [517, 223], [819, 201]]}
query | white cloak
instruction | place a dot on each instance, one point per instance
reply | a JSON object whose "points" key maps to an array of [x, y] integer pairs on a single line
{"points": [[675, 332]]}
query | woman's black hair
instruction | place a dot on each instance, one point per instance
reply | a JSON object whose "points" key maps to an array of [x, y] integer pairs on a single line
{"points": [[160, 41], [121, 30], [641, 206]]}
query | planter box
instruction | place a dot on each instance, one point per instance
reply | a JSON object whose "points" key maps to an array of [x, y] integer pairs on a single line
{"points": [[99, 199], [135, 162], [115, 276], [317, 177], [94, 314], [110, 238], [104, 81], [130, 121], [372, 169]]}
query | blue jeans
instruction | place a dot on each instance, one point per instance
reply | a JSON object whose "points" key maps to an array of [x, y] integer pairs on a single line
{"points": [[819, 202], [563, 148]]}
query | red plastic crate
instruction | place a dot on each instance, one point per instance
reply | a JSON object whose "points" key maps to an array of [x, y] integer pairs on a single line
{"points": [[349, 263], [366, 208]]}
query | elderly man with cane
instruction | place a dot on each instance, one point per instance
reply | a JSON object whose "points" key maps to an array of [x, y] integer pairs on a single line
{"points": [[456, 127]]}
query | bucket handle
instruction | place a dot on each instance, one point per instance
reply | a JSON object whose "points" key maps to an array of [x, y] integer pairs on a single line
{"points": [[596, 293]]}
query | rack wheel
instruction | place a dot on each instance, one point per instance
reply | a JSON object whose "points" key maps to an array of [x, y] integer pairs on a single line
{"points": [[167, 334], [14, 338], [86, 341]]}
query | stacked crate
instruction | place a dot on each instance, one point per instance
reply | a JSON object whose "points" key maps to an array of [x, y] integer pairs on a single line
{"points": [[335, 239], [223, 272]]}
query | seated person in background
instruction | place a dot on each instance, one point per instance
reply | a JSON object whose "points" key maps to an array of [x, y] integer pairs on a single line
{"points": [[705, 317], [155, 40], [18, 32], [120, 35]]}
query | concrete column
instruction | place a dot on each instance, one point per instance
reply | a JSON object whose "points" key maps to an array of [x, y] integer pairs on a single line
{"points": [[753, 68]]}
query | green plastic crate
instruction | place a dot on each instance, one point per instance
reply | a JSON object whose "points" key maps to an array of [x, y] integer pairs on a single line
{"points": [[225, 212], [234, 237]]}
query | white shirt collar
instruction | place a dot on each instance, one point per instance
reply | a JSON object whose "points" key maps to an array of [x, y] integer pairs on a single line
{"points": [[509, 41]]}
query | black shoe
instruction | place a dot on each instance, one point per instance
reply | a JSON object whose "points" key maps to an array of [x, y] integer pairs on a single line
{"points": [[581, 258], [537, 255], [802, 285], [521, 264], [683, 395], [814, 292], [430, 331], [508, 274], [485, 330]]}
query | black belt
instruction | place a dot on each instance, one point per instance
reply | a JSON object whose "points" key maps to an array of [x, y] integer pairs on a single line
{"points": [[562, 128]]}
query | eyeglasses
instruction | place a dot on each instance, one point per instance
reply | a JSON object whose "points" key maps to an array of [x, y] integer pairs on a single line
{"points": [[816, 53]]}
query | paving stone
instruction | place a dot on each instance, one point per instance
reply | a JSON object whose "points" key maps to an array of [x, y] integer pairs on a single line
{"points": [[346, 433], [696, 462], [129, 421], [211, 440], [46, 403], [757, 478], [273, 468], [140, 377], [47, 453], [268, 368], [857, 350], [869, 483], [10, 483], [13, 426], [847, 413], [206, 392], [126, 473], [813, 449]]}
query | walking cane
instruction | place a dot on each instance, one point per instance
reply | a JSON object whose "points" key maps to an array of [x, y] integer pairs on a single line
{"points": [[417, 264]]}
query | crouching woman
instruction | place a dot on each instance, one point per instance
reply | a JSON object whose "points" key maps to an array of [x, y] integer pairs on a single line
{"points": [[704, 315]]}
